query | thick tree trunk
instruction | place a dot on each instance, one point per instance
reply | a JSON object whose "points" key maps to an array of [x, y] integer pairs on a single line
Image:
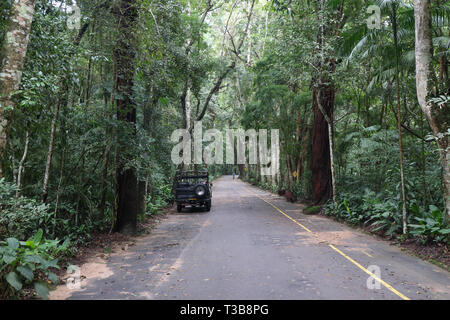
{"points": [[142, 193], [330, 135], [12, 59], [124, 54], [437, 117], [127, 201], [321, 164], [323, 108]]}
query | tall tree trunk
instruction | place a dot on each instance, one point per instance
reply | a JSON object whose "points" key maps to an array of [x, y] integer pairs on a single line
{"points": [[124, 54], [437, 117], [298, 170], [323, 107], [249, 39], [321, 162], [329, 121], [399, 119], [142, 197], [290, 180], [58, 190], [12, 59], [50, 153]]}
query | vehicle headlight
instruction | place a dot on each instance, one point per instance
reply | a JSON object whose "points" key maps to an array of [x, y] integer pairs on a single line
{"points": [[200, 191]]}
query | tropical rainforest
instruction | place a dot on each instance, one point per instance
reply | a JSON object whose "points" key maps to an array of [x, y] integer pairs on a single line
{"points": [[91, 91]]}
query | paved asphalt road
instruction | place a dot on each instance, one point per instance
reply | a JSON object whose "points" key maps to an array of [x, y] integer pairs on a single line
{"points": [[255, 245]]}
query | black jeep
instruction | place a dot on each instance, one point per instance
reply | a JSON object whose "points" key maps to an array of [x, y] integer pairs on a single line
{"points": [[193, 189]]}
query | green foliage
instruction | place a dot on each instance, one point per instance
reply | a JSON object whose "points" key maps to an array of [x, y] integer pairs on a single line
{"points": [[4, 15], [176, 55], [159, 199], [382, 214], [311, 210], [430, 225], [29, 263], [370, 209], [441, 101], [155, 205]]}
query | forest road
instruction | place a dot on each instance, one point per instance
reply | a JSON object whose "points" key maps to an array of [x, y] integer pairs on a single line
{"points": [[256, 245]]}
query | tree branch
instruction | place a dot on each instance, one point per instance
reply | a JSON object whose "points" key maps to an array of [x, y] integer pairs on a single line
{"points": [[219, 80]]}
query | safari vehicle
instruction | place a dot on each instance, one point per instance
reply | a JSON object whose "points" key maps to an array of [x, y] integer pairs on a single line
{"points": [[193, 189]]}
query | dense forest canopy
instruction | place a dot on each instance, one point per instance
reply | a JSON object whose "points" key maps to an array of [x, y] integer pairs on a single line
{"points": [[88, 107]]}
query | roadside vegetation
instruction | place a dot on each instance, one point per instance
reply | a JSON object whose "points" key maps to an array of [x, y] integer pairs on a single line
{"points": [[88, 106]]}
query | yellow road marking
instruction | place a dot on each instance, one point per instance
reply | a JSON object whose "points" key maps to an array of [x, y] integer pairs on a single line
{"points": [[275, 207], [367, 254], [384, 283]]}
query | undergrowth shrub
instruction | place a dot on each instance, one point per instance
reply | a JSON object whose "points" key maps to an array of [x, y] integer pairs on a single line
{"points": [[382, 212], [29, 263], [21, 217], [429, 225]]}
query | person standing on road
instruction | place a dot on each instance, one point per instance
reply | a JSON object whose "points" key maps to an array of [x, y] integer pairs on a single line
{"points": [[234, 174]]}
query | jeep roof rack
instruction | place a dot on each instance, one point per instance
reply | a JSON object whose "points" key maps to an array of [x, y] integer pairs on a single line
{"points": [[192, 174]]}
